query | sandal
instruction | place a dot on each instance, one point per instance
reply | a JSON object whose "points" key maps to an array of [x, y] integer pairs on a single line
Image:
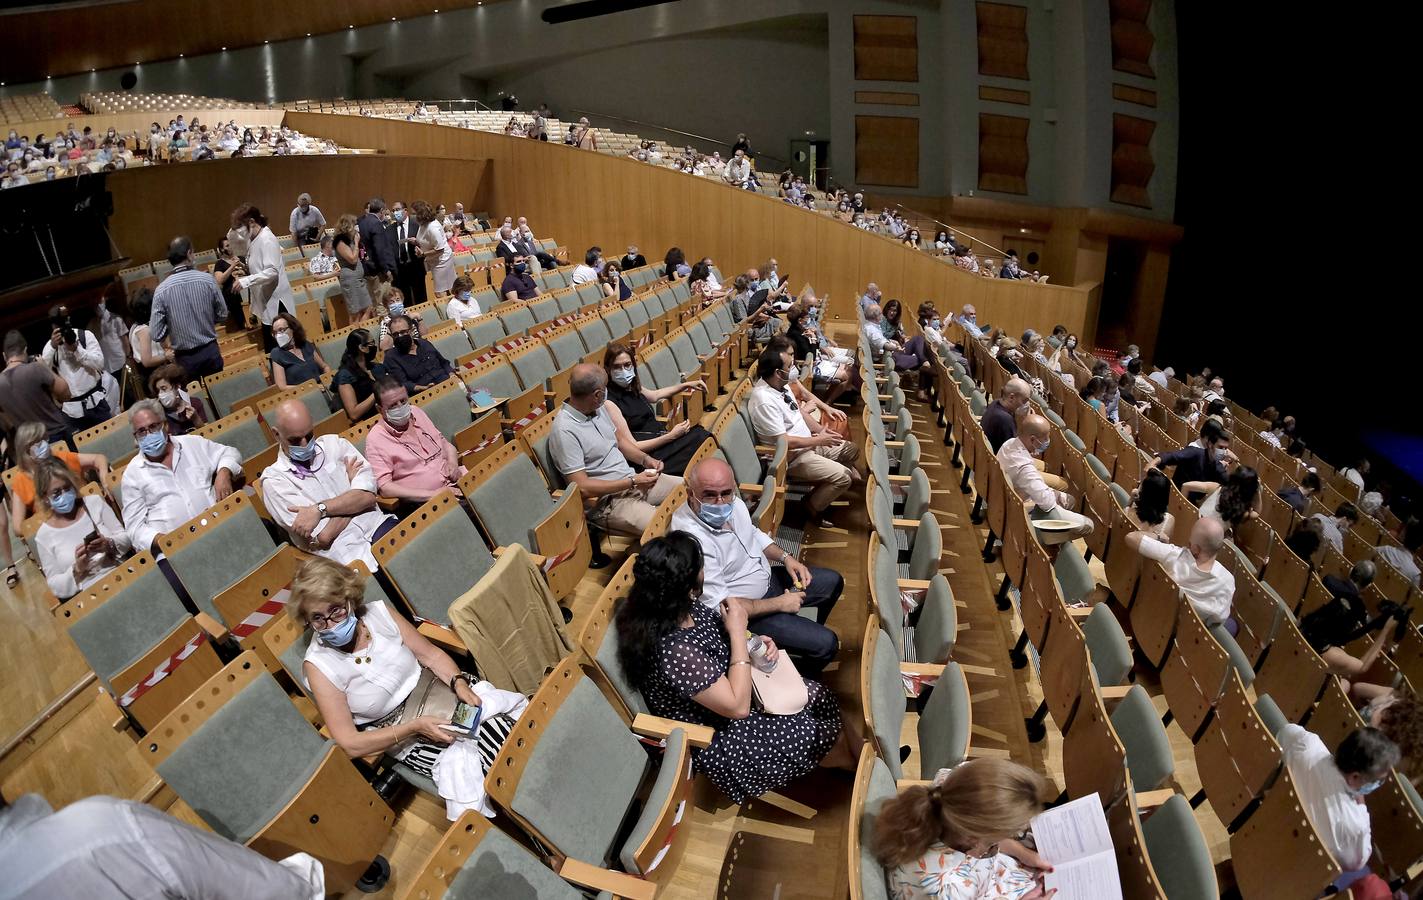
{"points": [[12, 576]]}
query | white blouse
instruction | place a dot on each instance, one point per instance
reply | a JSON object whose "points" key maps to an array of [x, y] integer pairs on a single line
{"points": [[432, 237], [459, 312], [57, 544], [373, 689]]}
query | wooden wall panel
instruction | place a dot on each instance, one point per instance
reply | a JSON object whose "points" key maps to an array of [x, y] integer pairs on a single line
{"points": [[1132, 40], [887, 98], [1132, 165], [887, 151], [736, 228], [1004, 95], [154, 204], [1002, 39], [886, 48], [1003, 153], [1129, 94]]}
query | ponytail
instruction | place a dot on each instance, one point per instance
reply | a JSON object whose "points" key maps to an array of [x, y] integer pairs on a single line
{"points": [[908, 825]]}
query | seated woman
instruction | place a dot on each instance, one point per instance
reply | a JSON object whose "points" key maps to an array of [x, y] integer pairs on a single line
{"points": [[80, 542], [914, 355], [610, 280], [355, 381], [1236, 500], [361, 667], [700, 285], [957, 838], [693, 665], [1149, 503], [831, 370], [166, 383], [462, 306], [1092, 393], [631, 404], [294, 360], [32, 453]]}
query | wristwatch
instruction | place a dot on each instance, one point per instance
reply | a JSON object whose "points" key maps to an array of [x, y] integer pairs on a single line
{"points": [[321, 508]]}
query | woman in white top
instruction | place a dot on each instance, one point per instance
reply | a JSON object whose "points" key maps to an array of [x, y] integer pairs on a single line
{"points": [[1236, 500], [1148, 506], [81, 542], [146, 353], [462, 306], [433, 247], [268, 287], [361, 666]]}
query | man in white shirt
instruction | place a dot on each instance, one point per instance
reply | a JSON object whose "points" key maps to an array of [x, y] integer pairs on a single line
{"points": [[1018, 457], [1274, 435], [172, 479], [80, 362], [1402, 559], [1162, 377], [588, 450], [738, 171], [1207, 584], [106, 847], [968, 320], [1334, 527], [818, 456], [307, 221], [587, 271], [1332, 788], [322, 491], [1355, 474], [874, 335], [1215, 391], [870, 297], [737, 562]]}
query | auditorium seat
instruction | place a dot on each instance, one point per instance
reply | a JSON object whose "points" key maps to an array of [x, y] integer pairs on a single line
{"points": [[945, 721], [874, 787], [928, 633]]}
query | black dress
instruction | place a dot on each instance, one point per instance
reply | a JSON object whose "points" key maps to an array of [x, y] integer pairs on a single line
{"points": [[749, 756], [231, 294], [642, 422]]}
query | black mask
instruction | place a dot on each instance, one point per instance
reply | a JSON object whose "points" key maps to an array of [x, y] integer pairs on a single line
{"points": [[370, 353], [403, 342]]}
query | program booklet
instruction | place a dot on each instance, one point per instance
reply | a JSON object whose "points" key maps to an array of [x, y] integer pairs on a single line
{"points": [[433, 697], [1074, 837]]}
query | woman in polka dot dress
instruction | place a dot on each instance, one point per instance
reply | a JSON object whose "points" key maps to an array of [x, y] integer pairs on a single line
{"points": [[683, 658]]}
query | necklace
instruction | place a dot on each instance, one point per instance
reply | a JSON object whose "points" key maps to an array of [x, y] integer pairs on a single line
{"points": [[365, 657]]}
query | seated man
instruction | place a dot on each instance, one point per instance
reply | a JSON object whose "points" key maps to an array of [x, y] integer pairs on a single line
{"points": [[1332, 788], [738, 560], [1330, 628], [874, 335], [1143, 386], [1200, 464], [1402, 560], [413, 360], [585, 447], [1207, 583], [518, 284], [171, 479], [1345, 515], [968, 320], [322, 491], [1163, 377], [1298, 497], [410, 458], [817, 455], [1018, 456], [1000, 423]]}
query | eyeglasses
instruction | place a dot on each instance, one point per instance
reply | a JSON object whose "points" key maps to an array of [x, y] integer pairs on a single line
{"points": [[141, 433], [336, 616]]}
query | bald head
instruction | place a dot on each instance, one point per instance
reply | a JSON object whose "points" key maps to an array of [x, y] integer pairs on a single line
{"points": [[1015, 393], [293, 420], [1207, 537], [872, 313], [1034, 426], [711, 476]]}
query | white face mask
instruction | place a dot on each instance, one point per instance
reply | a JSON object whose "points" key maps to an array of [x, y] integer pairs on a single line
{"points": [[283, 338], [168, 397]]}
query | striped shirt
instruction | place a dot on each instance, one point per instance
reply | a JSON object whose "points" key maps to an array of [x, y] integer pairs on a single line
{"points": [[187, 307]]}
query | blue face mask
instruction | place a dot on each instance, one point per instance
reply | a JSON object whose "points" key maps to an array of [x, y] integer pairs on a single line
{"points": [[339, 635], [521, 268], [715, 514], [64, 503], [398, 215], [153, 444], [396, 309], [1364, 790], [935, 324], [40, 450], [303, 455], [465, 295], [1043, 449], [624, 376]]}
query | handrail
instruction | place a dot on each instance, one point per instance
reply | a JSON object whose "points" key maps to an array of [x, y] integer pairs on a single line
{"points": [[951, 228], [690, 134]]}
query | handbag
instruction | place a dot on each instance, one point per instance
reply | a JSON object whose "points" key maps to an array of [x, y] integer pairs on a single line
{"points": [[781, 691]]}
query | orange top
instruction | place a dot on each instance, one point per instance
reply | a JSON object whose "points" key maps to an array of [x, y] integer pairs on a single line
{"points": [[24, 485]]}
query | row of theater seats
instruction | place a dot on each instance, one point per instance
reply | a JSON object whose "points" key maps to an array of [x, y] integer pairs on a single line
{"points": [[1084, 662], [28, 108], [207, 724], [112, 102]]}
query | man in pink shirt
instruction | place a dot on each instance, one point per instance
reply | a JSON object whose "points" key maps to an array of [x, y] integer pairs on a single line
{"points": [[411, 459]]}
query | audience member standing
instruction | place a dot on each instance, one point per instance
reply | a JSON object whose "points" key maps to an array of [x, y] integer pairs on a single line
{"points": [[269, 292], [186, 309], [409, 267], [32, 391], [380, 258], [307, 222], [433, 248], [76, 356]]}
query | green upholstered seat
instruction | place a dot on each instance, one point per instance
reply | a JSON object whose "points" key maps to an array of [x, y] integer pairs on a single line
{"points": [[127, 625], [228, 392], [944, 724], [424, 570], [499, 381], [448, 410], [534, 366], [593, 332], [452, 344], [567, 349], [1107, 643], [1144, 737], [517, 319], [484, 332], [225, 553], [498, 867], [511, 501], [873, 883], [1178, 852]]}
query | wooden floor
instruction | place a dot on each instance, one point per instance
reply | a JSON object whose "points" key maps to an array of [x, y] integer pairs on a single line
{"points": [[786, 846]]}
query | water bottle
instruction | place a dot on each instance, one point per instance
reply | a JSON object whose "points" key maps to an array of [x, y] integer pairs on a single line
{"points": [[756, 646]]}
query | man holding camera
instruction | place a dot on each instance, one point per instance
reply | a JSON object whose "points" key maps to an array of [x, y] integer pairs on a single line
{"points": [[76, 356]]}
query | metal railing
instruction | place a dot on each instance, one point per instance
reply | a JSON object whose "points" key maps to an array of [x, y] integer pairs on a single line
{"points": [[759, 154], [951, 229]]}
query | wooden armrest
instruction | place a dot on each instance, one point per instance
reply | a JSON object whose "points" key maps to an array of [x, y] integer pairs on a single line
{"points": [[481, 410], [912, 782], [117, 720], [215, 629], [443, 637], [1151, 799], [889, 418], [750, 488], [762, 448], [699, 736], [909, 668], [388, 504], [900, 479], [889, 444], [905, 523], [1079, 612], [913, 584], [619, 884], [536, 558], [1114, 691]]}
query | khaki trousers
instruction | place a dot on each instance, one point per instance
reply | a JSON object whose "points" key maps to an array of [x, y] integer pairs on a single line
{"points": [[828, 468]]}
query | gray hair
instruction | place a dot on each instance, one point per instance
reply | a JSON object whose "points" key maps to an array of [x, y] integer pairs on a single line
{"points": [[303, 197], [148, 404], [873, 312], [506, 231], [1363, 573]]}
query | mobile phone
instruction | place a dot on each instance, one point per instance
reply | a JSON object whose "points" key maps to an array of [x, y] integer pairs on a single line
{"points": [[91, 537]]}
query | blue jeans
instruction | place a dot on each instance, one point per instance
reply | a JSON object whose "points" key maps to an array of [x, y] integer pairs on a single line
{"points": [[811, 643]]}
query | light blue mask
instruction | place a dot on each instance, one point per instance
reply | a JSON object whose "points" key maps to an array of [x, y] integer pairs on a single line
{"points": [[40, 450], [1364, 790], [465, 296], [339, 635], [303, 455], [64, 503], [1043, 449], [398, 215], [715, 514], [396, 309], [153, 444], [624, 376]]}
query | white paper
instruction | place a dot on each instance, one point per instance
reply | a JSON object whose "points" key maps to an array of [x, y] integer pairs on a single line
{"points": [[1072, 831], [1075, 839]]}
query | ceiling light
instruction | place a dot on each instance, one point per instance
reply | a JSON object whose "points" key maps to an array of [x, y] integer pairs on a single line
{"points": [[180, 56], [1022, 231], [308, 34], [266, 42], [224, 49], [350, 26], [392, 18]]}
